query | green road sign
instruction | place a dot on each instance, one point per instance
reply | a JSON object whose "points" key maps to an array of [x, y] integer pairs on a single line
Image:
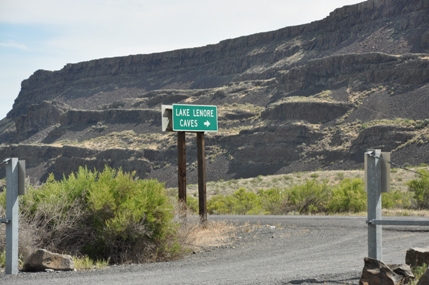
{"points": [[194, 118]]}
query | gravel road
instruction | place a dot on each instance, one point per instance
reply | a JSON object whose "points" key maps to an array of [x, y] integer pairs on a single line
{"points": [[277, 250]]}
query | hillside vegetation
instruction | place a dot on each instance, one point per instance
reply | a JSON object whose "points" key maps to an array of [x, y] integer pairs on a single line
{"points": [[320, 192]]}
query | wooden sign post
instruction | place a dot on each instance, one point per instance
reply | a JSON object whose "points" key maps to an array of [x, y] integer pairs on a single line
{"points": [[181, 170], [199, 119], [202, 195]]}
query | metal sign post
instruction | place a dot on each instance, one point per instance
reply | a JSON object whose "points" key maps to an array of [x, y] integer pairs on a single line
{"points": [[373, 189], [377, 180]]}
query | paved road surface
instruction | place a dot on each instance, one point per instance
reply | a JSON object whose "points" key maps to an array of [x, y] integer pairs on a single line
{"points": [[299, 250]]}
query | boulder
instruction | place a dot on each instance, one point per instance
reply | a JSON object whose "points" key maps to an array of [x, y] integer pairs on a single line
{"points": [[42, 260], [376, 272], [417, 256]]}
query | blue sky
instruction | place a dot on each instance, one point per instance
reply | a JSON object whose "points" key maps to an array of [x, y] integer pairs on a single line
{"points": [[48, 34]]}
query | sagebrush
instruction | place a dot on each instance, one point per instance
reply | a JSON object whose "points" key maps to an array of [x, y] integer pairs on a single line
{"points": [[420, 189], [310, 197], [102, 215]]}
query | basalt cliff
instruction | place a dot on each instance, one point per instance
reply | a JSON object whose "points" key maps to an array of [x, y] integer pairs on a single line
{"points": [[307, 97]]}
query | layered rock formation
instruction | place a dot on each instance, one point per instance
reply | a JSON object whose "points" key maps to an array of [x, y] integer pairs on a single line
{"points": [[299, 98]]}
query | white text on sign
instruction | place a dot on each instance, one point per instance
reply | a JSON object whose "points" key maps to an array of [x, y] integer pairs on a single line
{"points": [[195, 113], [188, 123]]}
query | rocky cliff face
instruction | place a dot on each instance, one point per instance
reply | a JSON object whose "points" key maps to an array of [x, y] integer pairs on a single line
{"points": [[299, 98]]}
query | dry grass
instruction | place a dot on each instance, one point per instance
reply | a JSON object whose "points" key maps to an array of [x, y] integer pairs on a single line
{"points": [[322, 97], [127, 140], [195, 236], [213, 234], [85, 263], [26, 242], [405, 213]]}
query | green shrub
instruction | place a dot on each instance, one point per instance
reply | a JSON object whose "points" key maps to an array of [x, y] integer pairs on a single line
{"points": [[103, 215], [3, 258], [220, 205], [192, 203], [418, 272], [241, 202], [396, 199], [348, 196], [272, 201], [2, 203], [310, 197], [246, 202], [85, 263], [307, 198], [127, 211], [420, 189]]}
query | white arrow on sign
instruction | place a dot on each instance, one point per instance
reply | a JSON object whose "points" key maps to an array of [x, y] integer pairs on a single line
{"points": [[207, 124]]}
